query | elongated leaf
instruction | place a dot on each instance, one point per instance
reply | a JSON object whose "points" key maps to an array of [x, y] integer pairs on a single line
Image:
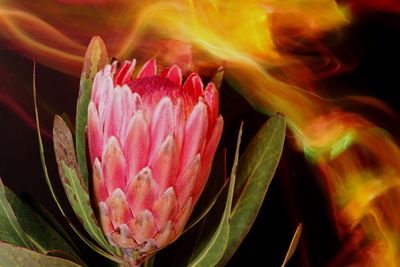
{"points": [[49, 218], [49, 184], [255, 171], [217, 245], [10, 229], [73, 182], [96, 58], [293, 244], [213, 191], [41, 234], [17, 256]]}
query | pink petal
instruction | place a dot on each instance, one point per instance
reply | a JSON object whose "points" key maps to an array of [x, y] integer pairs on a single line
{"points": [[113, 68], [162, 124], [149, 69], [123, 237], [137, 102], [102, 81], [114, 166], [99, 184], [105, 95], [148, 247], [207, 157], [211, 97], [143, 226], [195, 134], [114, 116], [174, 74], [185, 183], [165, 208], [193, 86], [105, 218], [166, 235], [95, 134], [137, 144], [212, 144], [124, 72], [128, 108], [183, 216], [179, 125], [141, 191], [118, 209], [164, 165]]}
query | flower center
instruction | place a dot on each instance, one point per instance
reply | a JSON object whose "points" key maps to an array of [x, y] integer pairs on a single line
{"points": [[153, 89]]}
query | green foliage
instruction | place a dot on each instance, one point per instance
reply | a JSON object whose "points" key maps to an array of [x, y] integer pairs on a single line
{"points": [[40, 233], [17, 256], [10, 229], [255, 171], [73, 183], [96, 58], [249, 182], [216, 246], [23, 227]]}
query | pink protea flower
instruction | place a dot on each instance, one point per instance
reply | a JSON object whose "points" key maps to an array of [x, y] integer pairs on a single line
{"points": [[151, 142]]}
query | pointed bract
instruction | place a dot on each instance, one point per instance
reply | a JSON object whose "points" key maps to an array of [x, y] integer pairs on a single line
{"points": [[149, 69]]}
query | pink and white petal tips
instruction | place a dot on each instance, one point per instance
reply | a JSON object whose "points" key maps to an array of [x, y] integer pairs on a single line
{"points": [[128, 107], [164, 164], [118, 208], [141, 191], [151, 142], [149, 69], [124, 73], [101, 83], [137, 145], [162, 124], [194, 86], [105, 220], [174, 74], [114, 166], [211, 97], [165, 207], [99, 183], [95, 133], [195, 134], [123, 237], [180, 122], [165, 235], [143, 226], [114, 115], [183, 215], [186, 181]]}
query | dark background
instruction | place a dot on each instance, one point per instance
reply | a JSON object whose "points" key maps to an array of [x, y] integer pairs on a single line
{"points": [[371, 45]]}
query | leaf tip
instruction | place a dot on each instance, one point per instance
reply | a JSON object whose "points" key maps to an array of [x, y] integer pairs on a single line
{"points": [[96, 57]]}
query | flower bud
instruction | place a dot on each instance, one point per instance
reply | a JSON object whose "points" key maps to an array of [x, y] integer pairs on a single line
{"points": [[151, 142]]}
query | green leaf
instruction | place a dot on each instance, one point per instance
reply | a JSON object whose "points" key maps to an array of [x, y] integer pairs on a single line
{"points": [[72, 181], [17, 256], [41, 234], [255, 171], [49, 184], [149, 262], [49, 218], [10, 229], [216, 246], [293, 244], [96, 58]]}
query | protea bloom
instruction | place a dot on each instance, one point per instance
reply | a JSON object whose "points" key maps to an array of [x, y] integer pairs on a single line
{"points": [[151, 142]]}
